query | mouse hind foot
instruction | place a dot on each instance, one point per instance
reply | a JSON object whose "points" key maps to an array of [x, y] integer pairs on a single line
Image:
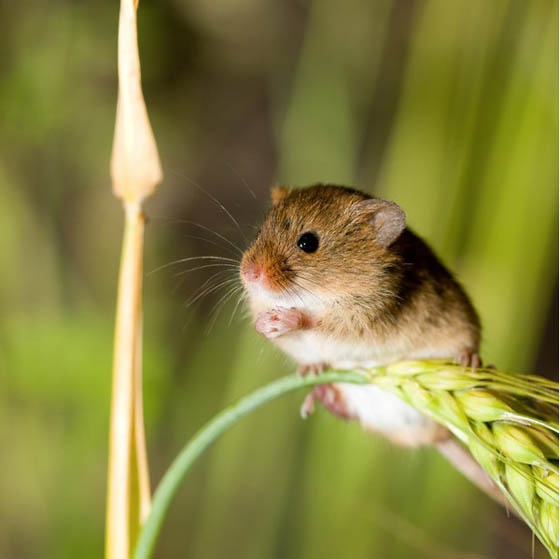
{"points": [[330, 397], [469, 357]]}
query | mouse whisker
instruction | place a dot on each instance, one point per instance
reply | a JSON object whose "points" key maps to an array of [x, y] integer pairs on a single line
{"points": [[217, 276], [174, 221], [202, 295], [306, 290], [208, 288], [220, 304], [295, 293], [231, 267], [210, 242], [242, 297], [215, 200], [191, 259], [240, 177], [219, 235]]}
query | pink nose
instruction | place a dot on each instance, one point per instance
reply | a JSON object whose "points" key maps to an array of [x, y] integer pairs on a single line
{"points": [[252, 272]]}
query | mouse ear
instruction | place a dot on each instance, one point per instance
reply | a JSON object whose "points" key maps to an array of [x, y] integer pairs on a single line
{"points": [[278, 193], [388, 219]]}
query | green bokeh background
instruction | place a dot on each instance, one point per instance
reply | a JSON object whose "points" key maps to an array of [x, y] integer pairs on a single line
{"points": [[447, 107]]}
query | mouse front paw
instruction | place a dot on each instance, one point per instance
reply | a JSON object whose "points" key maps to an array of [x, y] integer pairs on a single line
{"points": [[279, 321]]}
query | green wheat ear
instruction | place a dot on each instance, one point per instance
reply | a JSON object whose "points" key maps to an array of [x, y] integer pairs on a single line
{"points": [[508, 421]]}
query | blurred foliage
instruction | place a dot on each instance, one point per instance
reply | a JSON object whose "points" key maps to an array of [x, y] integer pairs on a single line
{"points": [[449, 108]]}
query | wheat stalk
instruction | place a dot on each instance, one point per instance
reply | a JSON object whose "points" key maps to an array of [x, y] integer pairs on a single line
{"points": [[508, 421]]}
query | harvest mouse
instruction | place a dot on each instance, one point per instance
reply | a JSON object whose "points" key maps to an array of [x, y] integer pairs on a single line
{"points": [[336, 279]]}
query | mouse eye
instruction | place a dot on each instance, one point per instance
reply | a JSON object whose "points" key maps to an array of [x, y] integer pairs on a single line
{"points": [[308, 242]]}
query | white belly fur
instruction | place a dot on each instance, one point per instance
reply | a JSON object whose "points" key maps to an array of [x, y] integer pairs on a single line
{"points": [[380, 411], [374, 408]]}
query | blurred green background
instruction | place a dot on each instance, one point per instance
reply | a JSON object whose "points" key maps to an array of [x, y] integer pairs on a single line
{"points": [[447, 107]]}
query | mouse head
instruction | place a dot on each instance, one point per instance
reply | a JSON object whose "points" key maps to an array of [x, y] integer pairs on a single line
{"points": [[322, 243]]}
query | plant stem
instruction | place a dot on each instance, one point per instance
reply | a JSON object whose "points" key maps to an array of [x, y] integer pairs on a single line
{"points": [[135, 173], [123, 494], [145, 493], [172, 479]]}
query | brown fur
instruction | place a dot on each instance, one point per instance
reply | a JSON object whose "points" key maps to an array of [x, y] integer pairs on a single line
{"points": [[379, 293]]}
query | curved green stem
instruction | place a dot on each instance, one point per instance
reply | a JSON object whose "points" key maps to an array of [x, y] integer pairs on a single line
{"points": [[172, 479]]}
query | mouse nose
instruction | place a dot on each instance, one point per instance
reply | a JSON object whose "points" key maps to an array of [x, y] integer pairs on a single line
{"points": [[252, 272]]}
